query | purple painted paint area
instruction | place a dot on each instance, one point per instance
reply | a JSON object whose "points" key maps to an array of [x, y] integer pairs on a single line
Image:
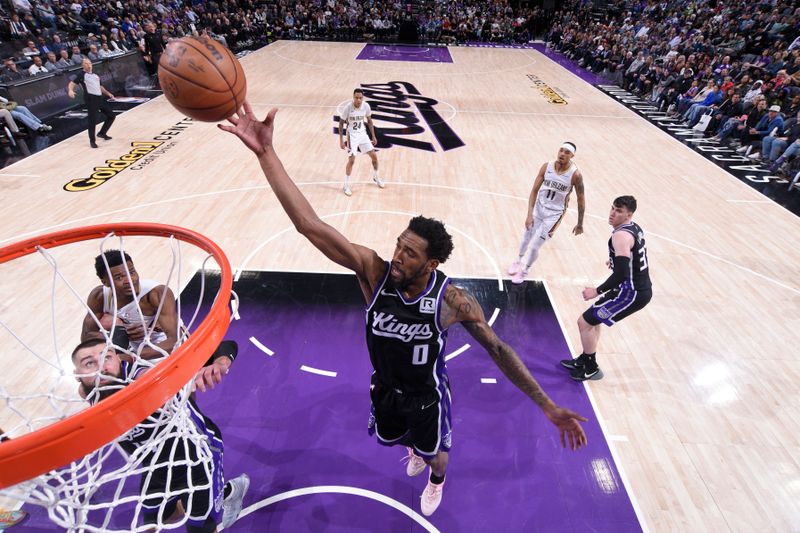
{"points": [[572, 66], [394, 52], [289, 429]]}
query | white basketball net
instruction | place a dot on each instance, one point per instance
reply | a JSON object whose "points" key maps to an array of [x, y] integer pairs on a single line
{"points": [[112, 488]]}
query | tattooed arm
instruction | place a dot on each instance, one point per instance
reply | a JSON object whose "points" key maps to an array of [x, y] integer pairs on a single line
{"points": [[461, 306]]}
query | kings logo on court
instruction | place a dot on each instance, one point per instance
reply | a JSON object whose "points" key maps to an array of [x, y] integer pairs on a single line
{"points": [[401, 115]]}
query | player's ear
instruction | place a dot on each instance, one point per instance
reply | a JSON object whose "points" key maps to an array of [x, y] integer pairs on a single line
{"points": [[433, 264]]}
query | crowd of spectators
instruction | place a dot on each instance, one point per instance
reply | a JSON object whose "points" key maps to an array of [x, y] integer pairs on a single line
{"points": [[60, 32], [731, 70]]}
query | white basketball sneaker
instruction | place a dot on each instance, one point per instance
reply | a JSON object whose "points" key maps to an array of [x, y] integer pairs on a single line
{"points": [[347, 190], [378, 181], [431, 498], [232, 505], [515, 267], [519, 277], [414, 463]]}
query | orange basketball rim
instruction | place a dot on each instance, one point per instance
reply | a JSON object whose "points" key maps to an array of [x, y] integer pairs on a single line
{"points": [[60, 443]]}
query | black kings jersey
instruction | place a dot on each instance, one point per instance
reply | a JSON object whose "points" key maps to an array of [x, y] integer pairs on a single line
{"points": [[405, 338], [640, 270]]}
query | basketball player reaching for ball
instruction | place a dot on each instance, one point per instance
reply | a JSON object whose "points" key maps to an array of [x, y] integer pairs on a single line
{"points": [[176, 467], [358, 117], [132, 296], [546, 207], [627, 289], [410, 305]]}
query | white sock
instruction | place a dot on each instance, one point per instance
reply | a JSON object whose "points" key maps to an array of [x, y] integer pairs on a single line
{"points": [[347, 180], [374, 173]]}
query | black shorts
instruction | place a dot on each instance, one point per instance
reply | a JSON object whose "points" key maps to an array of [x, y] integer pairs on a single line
{"points": [[178, 475], [419, 421], [616, 304]]}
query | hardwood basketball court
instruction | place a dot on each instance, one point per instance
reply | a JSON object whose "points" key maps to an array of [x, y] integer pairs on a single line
{"points": [[699, 395]]}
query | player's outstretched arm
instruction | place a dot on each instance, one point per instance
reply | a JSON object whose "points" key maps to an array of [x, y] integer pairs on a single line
{"points": [[577, 182], [257, 136], [461, 306]]}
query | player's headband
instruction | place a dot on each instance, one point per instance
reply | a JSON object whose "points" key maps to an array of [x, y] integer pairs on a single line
{"points": [[569, 147]]}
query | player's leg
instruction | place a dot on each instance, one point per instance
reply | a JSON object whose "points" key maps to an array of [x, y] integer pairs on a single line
{"points": [[430, 432], [612, 307], [386, 420], [374, 157], [351, 158], [527, 236], [538, 236]]}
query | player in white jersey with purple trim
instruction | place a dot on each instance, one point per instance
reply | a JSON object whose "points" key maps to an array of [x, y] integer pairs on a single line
{"points": [[358, 116], [546, 207]]}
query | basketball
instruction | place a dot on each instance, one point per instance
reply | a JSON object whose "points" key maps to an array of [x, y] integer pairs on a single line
{"points": [[202, 79]]}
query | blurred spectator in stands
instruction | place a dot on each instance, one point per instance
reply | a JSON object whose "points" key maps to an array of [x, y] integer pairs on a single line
{"points": [[10, 72], [153, 46], [37, 67], [50, 64], [63, 59], [93, 53], [76, 58], [46, 14], [17, 28], [115, 44], [24, 115], [57, 45], [30, 49]]}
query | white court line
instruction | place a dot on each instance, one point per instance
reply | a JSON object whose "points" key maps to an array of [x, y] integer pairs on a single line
{"points": [[457, 352], [313, 370], [488, 380], [625, 482], [618, 438], [753, 202], [494, 316], [21, 175], [262, 347], [338, 489]]}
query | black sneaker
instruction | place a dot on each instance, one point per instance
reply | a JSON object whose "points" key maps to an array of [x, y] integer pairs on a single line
{"points": [[585, 372], [93, 144], [104, 136], [578, 362]]}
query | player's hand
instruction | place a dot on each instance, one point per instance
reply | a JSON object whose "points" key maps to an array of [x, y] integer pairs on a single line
{"points": [[375, 141], [529, 222], [609, 264], [577, 230], [342, 144], [209, 376], [255, 134], [135, 331], [589, 293], [71, 94], [568, 426]]}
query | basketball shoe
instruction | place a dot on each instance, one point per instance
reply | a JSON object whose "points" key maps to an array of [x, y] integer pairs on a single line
{"points": [[232, 505], [515, 267], [414, 463], [578, 362], [431, 498]]}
